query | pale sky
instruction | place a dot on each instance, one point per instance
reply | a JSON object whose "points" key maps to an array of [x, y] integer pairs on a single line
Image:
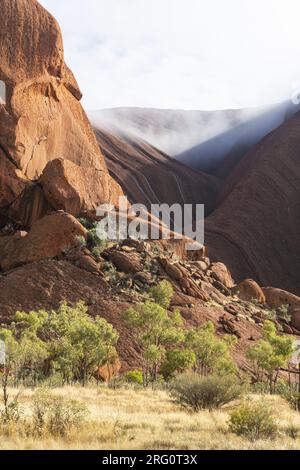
{"points": [[188, 54]]}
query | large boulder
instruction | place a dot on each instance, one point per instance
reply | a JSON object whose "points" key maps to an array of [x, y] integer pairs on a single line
{"points": [[222, 274], [76, 189], [42, 118], [277, 298], [249, 290], [129, 263], [48, 237]]}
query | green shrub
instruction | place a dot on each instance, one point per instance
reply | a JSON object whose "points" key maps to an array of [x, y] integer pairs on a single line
{"points": [[87, 223], [162, 293], [292, 396], [94, 240], [283, 314], [56, 414], [80, 241], [134, 377], [196, 392], [10, 414], [253, 421]]}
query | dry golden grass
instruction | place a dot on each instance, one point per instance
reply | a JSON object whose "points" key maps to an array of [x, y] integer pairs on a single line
{"points": [[146, 419]]}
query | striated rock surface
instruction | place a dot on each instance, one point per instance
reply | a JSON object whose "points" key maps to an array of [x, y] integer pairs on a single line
{"points": [[255, 229], [149, 176], [42, 119]]}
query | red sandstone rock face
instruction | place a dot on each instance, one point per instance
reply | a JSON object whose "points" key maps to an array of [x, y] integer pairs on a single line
{"points": [[76, 189], [42, 119], [255, 229]]}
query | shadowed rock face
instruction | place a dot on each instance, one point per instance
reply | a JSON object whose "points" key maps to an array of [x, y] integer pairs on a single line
{"points": [[256, 228], [42, 119], [149, 176]]}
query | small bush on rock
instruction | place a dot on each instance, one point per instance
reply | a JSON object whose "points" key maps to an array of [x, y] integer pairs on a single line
{"points": [[197, 393]]}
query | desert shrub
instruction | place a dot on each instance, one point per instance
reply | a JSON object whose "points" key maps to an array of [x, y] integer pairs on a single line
{"points": [[97, 251], [96, 241], [80, 241], [211, 392], [283, 313], [87, 223], [293, 398], [253, 421], [162, 293], [56, 414], [10, 414], [134, 377], [65, 414]]}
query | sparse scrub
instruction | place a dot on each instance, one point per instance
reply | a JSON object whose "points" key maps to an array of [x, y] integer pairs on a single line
{"points": [[254, 421], [129, 418], [197, 393]]}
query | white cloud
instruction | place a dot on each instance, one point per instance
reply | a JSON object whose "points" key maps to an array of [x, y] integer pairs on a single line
{"points": [[192, 54]]}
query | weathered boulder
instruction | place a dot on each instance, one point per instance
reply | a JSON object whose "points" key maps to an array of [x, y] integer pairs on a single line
{"points": [[76, 189], [125, 262], [174, 270], [144, 278], [48, 237], [277, 298], [249, 290], [222, 274], [108, 371]]}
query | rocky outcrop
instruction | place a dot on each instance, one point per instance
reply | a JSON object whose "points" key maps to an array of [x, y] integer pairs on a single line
{"points": [[250, 291], [278, 298], [77, 189], [221, 273], [127, 263], [255, 229], [48, 237], [42, 118]]}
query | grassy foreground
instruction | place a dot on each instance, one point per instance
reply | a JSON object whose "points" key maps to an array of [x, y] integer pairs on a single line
{"points": [[145, 419]]}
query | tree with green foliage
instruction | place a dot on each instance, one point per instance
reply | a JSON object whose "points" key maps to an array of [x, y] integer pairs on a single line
{"points": [[270, 354], [155, 330], [212, 354], [67, 340], [177, 361]]}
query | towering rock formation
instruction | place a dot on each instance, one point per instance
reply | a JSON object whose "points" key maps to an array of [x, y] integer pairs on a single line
{"points": [[256, 228], [42, 119]]}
